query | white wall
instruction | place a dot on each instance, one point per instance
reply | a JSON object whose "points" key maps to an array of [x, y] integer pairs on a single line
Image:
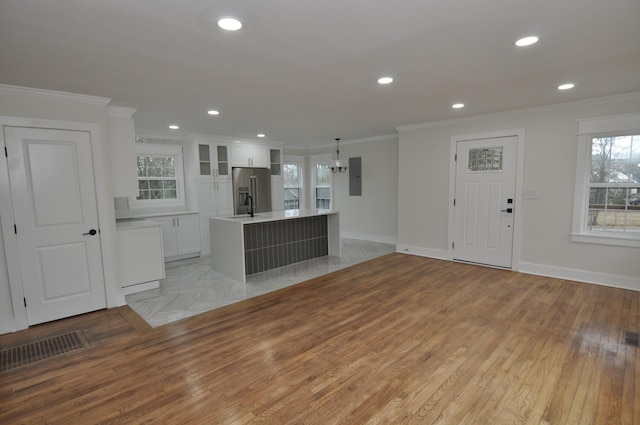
{"points": [[549, 169], [374, 215], [16, 102]]}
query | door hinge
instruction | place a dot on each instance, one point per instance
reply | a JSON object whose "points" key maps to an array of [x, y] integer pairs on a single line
{"points": [[454, 202], [25, 302], [453, 244], [455, 157], [6, 153], [15, 229]]}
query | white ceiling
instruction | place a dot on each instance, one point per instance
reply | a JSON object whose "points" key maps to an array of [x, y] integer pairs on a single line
{"points": [[305, 72]]}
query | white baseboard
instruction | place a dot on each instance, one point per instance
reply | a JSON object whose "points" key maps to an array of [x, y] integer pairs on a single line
{"points": [[614, 281], [132, 289], [368, 237], [439, 254]]}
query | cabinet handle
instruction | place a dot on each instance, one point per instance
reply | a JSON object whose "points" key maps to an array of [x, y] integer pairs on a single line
{"points": [[178, 220]]}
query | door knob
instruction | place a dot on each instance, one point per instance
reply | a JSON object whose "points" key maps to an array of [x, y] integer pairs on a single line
{"points": [[91, 232], [508, 210]]}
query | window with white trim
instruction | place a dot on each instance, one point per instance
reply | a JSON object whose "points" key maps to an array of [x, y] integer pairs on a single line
{"points": [[607, 201], [160, 175], [292, 185], [321, 182]]}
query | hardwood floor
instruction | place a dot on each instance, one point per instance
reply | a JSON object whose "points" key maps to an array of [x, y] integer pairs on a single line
{"points": [[396, 340]]}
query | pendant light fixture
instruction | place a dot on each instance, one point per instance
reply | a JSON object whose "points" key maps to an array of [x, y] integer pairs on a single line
{"points": [[337, 166]]}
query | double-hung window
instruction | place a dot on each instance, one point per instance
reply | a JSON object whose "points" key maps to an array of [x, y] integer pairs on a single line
{"points": [[292, 185], [607, 200], [322, 179], [160, 175]]}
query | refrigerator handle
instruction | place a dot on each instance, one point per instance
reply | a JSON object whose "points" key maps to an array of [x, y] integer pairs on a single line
{"points": [[254, 190]]}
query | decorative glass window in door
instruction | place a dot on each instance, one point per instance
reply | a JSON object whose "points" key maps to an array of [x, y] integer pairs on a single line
{"points": [[485, 159]]}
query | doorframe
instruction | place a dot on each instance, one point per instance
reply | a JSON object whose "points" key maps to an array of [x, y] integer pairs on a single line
{"points": [[519, 133], [107, 230]]}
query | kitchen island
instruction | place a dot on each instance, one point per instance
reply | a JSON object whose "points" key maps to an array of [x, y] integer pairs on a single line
{"points": [[243, 245]]}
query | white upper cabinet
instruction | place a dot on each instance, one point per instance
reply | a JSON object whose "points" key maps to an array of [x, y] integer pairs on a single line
{"points": [[122, 143], [277, 179], [213, 159], [208, 184], [249, 155], [275, 161], [208, 181]]}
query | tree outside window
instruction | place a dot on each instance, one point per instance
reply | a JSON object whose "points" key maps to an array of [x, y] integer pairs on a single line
{"points": [[160, 175], [322, 186], [614, 186], [156, 178], [292, 185]]}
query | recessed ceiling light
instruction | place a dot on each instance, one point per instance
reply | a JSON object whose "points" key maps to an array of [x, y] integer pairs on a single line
{"points": [[527, 41], [174, 127], [213, 112], [261, 135], [385, 80], [566, 86], [457, 105], [229, 24]]}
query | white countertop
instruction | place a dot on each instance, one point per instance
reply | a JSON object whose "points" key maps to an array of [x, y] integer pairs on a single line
{"points": [[140, 216], [136, 224], [275, 216]]}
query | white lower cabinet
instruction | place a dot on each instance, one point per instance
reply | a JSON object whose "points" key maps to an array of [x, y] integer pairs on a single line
{"points": [[140, 255], [180, 236]]}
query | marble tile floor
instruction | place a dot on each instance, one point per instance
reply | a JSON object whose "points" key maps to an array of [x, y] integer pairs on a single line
{"points": [[191, 287]]}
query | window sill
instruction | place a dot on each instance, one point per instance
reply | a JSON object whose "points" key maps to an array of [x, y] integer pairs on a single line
{"points": [[608, 239]]}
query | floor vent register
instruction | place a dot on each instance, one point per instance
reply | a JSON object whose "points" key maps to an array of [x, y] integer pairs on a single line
{"points": [[22, 355]]}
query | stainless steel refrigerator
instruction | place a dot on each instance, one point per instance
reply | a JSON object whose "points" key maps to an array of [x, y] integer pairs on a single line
{"points": [[251, 184]]}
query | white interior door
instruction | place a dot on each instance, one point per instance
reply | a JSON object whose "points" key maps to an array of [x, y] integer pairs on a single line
{"points": [[485, 200], [54, 201]]}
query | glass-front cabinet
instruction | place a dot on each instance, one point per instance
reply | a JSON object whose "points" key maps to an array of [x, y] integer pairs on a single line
{"points": [[223, 160], [213, 159], [208, 187], [275, 155]]}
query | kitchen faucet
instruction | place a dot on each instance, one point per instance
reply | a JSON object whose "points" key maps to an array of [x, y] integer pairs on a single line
{"points": [[249, 200]]}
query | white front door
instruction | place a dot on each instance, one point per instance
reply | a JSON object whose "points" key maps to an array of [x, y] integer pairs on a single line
{"points": [[54, 201], [485, 200]]}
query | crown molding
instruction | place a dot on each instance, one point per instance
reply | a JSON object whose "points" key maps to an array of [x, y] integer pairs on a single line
{"points": [[120, 111], [344, 142], [28, 91], [518, 112], [227, 139]]}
